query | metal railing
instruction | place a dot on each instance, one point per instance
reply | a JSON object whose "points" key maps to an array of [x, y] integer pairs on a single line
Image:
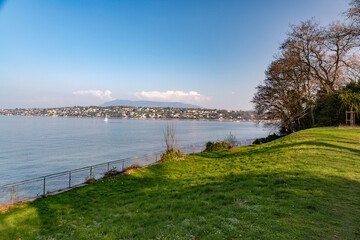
{"points": [[41, 186]]}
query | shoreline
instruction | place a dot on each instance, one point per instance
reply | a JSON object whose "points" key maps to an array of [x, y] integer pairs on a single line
{"points": [[152, 119]]}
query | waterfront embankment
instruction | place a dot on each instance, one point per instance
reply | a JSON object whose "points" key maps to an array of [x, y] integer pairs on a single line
{"points": [[302, 186]]}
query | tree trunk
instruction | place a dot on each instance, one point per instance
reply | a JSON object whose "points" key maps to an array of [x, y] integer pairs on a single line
{"points": [[312, 115]]}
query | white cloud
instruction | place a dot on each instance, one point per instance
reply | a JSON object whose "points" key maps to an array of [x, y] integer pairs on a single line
{"points": [[172, 96], [103, 95]]}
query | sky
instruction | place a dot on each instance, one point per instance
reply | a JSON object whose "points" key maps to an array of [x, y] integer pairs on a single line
{"points": [[86, 52]]}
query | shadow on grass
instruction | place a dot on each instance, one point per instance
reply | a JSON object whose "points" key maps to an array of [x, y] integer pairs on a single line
{"points": [[294, 204], [177, 199]]}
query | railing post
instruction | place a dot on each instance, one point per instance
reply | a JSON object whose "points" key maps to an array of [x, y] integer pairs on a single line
{"points": [[122, 167], [44, 193], [12, 194], [91, 172], [69, 179], [108, 166]]}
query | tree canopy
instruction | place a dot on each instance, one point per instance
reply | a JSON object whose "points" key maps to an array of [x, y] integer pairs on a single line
{"points": [[313, 61]]}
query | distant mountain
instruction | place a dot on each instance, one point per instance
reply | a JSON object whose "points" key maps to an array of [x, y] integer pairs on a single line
{"points": [[148, 104]]}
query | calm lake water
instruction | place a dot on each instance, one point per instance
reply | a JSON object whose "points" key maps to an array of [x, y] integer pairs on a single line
{"points": [[36, 146]]}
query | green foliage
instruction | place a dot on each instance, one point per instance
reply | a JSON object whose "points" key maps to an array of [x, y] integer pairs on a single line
{"points": [[350, 100], [302, 186], [228, 142], [353, 87], [216, 146], [330, 108], [269, 138], [170, 155], [328, 112]]}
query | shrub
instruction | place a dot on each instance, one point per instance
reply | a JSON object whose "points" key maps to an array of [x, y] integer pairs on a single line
{"points": [[90, 180], [269, 138], [170, 155], [216, 146], [169, 136], [330, 108], [111, 173], [327, 111], [230, 141], [131, 169]]}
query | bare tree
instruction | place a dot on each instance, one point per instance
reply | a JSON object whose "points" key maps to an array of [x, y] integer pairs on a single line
{"points": [[312, 59], [296, 53], [325, 52], [282, 95], [169, 136], [353, 71], [354, 12]]}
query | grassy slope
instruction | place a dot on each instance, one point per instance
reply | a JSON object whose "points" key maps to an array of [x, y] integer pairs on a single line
{"points": [[303, 186]]}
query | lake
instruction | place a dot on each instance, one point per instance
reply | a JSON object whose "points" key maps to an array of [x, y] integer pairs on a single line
{"points": [[36, 146]]}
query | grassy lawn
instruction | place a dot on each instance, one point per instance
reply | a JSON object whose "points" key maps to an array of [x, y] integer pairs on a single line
{"points": [[303, 186]]}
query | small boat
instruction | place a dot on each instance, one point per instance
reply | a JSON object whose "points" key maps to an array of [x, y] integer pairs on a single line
{"points": [[106, 119]]}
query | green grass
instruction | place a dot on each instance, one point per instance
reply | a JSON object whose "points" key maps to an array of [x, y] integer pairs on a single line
{"points": [[303, 186]]}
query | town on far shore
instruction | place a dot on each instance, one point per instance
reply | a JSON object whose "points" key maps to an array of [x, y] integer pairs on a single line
{"points": [[128, 112]]}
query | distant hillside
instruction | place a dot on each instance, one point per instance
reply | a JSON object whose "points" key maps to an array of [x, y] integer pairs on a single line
{"points": [[148, 104]]}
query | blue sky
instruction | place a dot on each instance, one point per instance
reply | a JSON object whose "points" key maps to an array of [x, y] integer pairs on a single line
{"points": [[209, 53]]}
